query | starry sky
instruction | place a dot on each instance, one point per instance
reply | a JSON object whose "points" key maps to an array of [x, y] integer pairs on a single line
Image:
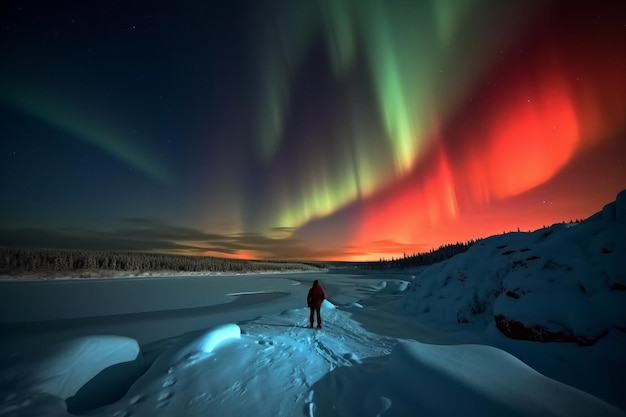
{"points": [[310, 129]]}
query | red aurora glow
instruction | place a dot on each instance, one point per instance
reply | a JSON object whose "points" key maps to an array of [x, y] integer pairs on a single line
{"points": [[522, 127]]}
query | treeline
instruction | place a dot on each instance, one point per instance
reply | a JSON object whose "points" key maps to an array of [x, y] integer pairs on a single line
{"points": [[435, 255], [423, 259], [13, 260]]}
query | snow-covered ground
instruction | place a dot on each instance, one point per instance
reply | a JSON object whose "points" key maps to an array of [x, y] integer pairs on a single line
{"points": [[471, 336]]}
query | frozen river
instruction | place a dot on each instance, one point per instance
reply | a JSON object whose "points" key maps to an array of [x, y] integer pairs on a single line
{"points": [[153, 308]]}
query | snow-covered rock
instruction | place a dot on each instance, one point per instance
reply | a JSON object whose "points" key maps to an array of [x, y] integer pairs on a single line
{"points": [[563, 283], [68, 366], [85, 372], [211, 339], [393, 286], [379, 286]]}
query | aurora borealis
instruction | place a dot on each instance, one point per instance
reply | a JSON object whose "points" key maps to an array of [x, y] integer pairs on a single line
{"points": [[314, 129]]}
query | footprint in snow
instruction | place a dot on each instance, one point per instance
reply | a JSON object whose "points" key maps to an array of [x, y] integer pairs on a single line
{"points": [[262, 362], [238, 388], [164, 399], [136, 399], [200, 402], [192, 358], [168, 382], [165, 395], [264, 342]]}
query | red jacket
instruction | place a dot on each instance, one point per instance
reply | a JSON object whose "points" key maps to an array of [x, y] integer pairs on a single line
{"points": [[316, 296]]}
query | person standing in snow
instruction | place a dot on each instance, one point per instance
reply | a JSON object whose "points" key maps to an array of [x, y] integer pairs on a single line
{"points": [[314, 300]]}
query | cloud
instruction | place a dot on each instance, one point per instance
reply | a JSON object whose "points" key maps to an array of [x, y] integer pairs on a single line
{"points": [[144, 234]]}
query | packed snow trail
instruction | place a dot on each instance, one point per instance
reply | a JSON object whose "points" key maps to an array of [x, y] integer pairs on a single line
{"points": [[268, 371]]}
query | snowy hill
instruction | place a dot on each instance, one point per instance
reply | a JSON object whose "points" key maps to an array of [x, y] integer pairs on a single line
{"points": [[564, 283]]}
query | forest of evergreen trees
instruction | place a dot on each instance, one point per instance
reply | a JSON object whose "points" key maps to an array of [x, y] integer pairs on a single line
{"points": [[17, 260], [435, 255], [14, 261], [423, 259]]}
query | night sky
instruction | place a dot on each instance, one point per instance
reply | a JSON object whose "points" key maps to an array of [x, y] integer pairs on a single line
{"points": [[306, 129]]}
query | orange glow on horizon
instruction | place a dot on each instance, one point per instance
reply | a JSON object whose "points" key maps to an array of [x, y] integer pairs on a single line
{"points": [[245, 255]]}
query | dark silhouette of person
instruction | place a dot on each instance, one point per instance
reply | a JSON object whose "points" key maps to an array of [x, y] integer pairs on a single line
{"points": [[314, 301]]}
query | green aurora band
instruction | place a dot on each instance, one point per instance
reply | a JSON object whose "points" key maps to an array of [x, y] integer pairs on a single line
{"points": [[422, 57], [82, 125]]}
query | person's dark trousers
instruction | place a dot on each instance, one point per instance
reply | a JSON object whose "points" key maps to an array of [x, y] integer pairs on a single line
{"points": [[319, 316]]}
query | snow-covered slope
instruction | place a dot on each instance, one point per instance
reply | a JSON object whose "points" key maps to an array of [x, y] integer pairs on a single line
{"points": [[453, 380], [562, 283]]}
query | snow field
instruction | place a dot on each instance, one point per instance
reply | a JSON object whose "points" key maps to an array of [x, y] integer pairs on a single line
{"points": [[276, 366]]}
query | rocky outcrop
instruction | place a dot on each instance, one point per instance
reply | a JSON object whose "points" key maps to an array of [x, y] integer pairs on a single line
{"points": [[520, 331]]}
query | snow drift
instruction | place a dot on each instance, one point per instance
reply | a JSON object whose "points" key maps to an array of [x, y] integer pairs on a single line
{"points": [[83, 373]]}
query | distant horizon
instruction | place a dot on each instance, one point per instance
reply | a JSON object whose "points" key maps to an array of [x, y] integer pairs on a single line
{"points": [[297, 260]]}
